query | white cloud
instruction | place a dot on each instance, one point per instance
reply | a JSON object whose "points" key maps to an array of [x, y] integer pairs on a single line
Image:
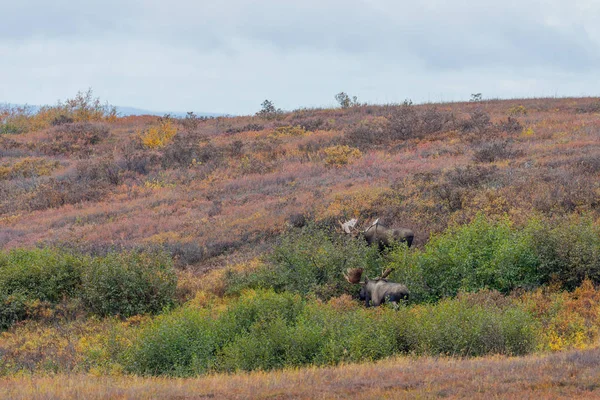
{"points": [[228, 56]]}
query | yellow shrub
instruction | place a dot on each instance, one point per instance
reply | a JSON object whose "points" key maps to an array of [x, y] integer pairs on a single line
{"points": [[27, 168], [352, 203], [163, 237], [289, 131], [568, 330], [158, 183], [528, 131], [159, 135], [570, 320], [5, 171], [82, 108], [517, 110], [341, 155]]}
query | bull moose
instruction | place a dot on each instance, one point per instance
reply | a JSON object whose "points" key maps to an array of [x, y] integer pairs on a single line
{"points": [[379, 234], [377, 291]]}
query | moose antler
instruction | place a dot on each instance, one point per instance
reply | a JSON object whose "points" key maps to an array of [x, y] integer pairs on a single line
{"points": [[386, 273], [353, 275], [373, 224], [348, 226]]}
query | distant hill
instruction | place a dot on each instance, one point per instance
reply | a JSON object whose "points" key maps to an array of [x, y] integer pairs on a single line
{"points": [[125, 111]]}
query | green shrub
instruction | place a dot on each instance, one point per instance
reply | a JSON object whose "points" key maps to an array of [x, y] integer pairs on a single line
{"points": [[264, 346], [119, 283], [43, 274], [568, 251], [406, 264], [129, 283], [479, 255], [311, 260], [489, 254], [188, 341], [350, 335], [458, 328], [27, 276], [13, 308], [260, 306], [181, 343], [264, 330]]}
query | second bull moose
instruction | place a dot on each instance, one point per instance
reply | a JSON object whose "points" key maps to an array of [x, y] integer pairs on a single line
{"points": [[378, 291], [379, 234]]}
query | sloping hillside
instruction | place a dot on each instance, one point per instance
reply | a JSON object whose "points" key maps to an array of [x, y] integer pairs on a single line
{"points": [[213, 190], [242, 261]]}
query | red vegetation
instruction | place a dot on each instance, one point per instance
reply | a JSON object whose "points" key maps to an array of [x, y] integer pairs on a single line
{"points": [[225, 184]]}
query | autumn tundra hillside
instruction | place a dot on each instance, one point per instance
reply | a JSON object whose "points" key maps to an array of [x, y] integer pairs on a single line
{"points": [[211, 189], [147, 246]]}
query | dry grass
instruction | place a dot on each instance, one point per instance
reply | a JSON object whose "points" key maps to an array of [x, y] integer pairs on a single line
{"points": [[565, 375]]}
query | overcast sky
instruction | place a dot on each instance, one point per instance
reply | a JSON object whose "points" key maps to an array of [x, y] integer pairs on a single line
{"points": [[229, 55]]}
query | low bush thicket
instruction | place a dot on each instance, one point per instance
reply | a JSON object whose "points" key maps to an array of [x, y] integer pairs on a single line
{"points": [[75, 138], [190, 341], [457, 327], [264, 330], [182, 152], [478, 122], [593, 107], [402, 123], [28, 167], [484, 254], [29, 189], [27, 276], [567, 250], [123, 284], [310, 260], [495, 150], [56, 192], [458, 184], [128, 283], [368, 133], [82, 108], [181, 343], [512, 125], [495, 255]]}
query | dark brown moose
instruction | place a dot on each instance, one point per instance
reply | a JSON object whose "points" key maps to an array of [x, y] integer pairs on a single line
{"points": [[379, 234], [378, 291]]}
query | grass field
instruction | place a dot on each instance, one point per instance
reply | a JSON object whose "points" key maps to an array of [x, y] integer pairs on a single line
{"points": [[567, 375]]}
